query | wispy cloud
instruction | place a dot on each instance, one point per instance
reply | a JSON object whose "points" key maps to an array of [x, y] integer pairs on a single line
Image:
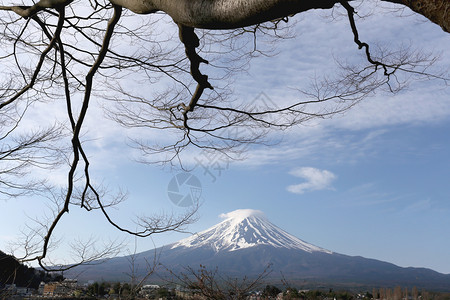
{"points": [[315, 180]]}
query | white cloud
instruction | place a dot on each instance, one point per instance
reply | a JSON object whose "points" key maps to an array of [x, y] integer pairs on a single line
{"points": [[241, 214], [315, 180], [282, 76]]}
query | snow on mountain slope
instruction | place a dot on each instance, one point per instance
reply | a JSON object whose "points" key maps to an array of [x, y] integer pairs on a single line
{"points": [[244, 228]]}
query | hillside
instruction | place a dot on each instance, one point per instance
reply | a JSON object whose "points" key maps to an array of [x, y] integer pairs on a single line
{"points": [[13, 272]]}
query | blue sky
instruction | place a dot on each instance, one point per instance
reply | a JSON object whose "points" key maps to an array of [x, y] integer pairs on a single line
{"points": [[373, 182]]}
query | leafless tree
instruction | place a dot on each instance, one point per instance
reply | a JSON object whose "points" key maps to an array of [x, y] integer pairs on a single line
{"points": [[53, 49], [139, 274], [210, 284]]}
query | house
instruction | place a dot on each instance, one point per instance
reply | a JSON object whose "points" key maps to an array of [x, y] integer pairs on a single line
{"points": [[64, 288]]}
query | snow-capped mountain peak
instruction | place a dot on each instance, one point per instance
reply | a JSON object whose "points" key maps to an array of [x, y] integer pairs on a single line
{"points": [[244, 228]]}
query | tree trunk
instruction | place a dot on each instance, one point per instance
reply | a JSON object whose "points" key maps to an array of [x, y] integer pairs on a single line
{"points": [[437, 11]]}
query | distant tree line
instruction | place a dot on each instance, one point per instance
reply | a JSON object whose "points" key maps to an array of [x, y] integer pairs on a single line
{"points": [[269, 292], [291, 293], [124, 290], [399, 293]]}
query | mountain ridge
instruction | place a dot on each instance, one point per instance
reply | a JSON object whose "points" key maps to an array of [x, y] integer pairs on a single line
{"points": [[245, 243]]}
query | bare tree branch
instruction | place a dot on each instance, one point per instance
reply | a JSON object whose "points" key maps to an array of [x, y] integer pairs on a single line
{"points": [[54, 49]]}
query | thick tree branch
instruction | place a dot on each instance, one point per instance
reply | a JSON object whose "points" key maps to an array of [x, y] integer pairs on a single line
{"points": [[191, 41], [229, 14], [350, 13], [220, 14], [77, 148], [29, 11], [437, 11]]}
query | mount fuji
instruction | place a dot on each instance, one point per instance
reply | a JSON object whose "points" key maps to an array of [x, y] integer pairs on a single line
{"points": [[245, 228], [245, 243]]}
